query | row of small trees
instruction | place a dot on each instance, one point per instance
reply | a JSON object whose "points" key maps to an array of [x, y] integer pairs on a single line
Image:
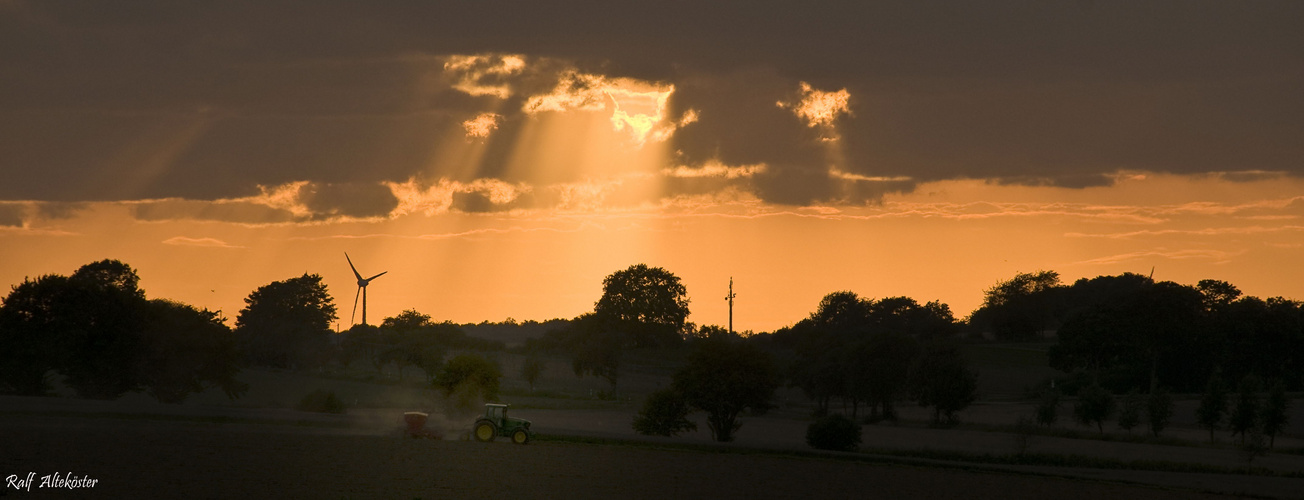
{"points": [[1251, 415], [1095, 405]]}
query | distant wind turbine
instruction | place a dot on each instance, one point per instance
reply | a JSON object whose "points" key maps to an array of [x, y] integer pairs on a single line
{"points": [[362, 290]]}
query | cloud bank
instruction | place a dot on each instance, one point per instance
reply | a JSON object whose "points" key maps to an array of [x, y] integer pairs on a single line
{"points": [[189, 111]]}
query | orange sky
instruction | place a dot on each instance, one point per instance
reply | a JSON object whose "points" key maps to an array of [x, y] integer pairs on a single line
{"points": [[947, 241]]}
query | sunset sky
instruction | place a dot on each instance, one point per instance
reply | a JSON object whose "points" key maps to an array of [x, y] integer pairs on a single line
{"points": [[499, 159]]}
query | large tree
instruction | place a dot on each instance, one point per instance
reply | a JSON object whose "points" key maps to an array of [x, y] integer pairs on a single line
{"points": [[187, 351], [1021, 308], [287, 323], [942, 379], [33, 322], [648, 303], [103, 344], [724, 377], [1145, 337], [595, 349], [878, 369]]}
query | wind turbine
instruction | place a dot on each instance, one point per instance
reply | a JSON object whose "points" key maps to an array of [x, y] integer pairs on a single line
{"points": [[362, 290]]}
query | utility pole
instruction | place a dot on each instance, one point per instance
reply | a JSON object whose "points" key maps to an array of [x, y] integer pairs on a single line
{"points": [[730, 298]]}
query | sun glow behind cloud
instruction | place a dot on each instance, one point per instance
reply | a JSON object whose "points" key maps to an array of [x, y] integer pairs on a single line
{"points": [[484, 74], [482, 125], [820, 109]]}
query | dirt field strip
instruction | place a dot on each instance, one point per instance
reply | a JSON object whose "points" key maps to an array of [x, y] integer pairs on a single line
{"points": [[144, 458]]}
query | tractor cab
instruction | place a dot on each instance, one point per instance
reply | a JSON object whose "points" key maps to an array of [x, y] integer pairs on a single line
{"points": [[495, 423]]}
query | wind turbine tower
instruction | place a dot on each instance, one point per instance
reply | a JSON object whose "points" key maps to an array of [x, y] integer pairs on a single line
{"points": [[362, 290], [730, 298]]}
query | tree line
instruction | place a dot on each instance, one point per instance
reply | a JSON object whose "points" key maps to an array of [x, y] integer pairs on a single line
{"points": [[1130, 331], [98, 333], [97, 329]]}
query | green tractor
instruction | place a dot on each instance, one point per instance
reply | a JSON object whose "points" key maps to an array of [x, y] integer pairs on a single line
{"points": [[495, 422]]}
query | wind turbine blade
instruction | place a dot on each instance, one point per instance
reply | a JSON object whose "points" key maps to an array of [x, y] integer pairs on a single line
{"points": [[374, 277], [355, 270], [355, 305]]}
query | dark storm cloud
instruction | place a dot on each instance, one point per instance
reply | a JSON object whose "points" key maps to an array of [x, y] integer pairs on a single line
{"points": [[1057, 92], [348, 200], [11, 214], [478, 202]]}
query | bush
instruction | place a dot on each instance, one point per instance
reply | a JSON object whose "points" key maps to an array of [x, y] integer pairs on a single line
{"points": [[321, 402], [834, 432], [1048, 407], [665, 413], [1159, 410], [1095, 404], [1129, 415], [469, 379]]}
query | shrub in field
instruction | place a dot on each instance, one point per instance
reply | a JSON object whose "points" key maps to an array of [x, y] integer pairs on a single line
{"points": [[531, 370], [1095, 404], [723, 377], [942, 379], [1129, 415], [1159, 409], [469, 378], [1213, 406], [321, 402], [1253, 444], [1245, 416], [1275, 414], [834, 432], [1048, 408], [665, 413]]}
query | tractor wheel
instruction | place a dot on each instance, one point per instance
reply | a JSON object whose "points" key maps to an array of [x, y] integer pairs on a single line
{"points": [[520, 436], [484, 432]]}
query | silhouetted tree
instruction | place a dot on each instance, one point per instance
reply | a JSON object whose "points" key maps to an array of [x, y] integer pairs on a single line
{"points": [[648, 303], [942, 379], [365, 342], [1129, 413], [723, 378], [1213, 405], [1261, 337], [98, 330], [1159, 409], [1217, 294], [841, 313], [1020, 308], [1048, 407], [1095, 405], [104, 348], [531, 369], [34, 322], [664, 413], [595, 350], [1148, 332], [187, 350], [469, 378], [1245, 415], [834, 432], [878, 371], [411, 341], [286, 323], [1276, 412]]}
